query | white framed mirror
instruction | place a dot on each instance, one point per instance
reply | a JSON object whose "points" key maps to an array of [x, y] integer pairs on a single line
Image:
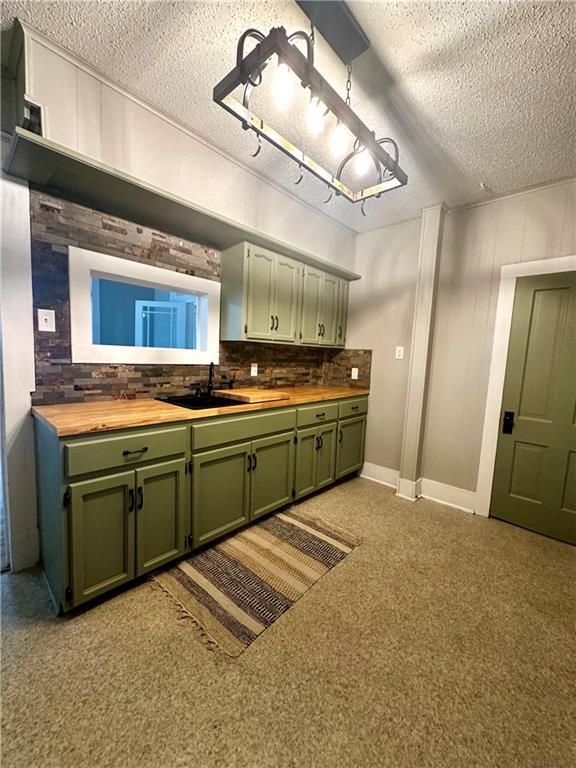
{"points": [[123, 311]]}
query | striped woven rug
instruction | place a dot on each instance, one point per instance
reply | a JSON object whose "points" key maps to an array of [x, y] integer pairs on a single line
{"points": [[240, 586]]}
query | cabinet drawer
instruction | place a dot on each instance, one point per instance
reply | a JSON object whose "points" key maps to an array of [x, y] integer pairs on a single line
{"points": [[353, 407], [87, 456], [220, 431], [317, 414]]}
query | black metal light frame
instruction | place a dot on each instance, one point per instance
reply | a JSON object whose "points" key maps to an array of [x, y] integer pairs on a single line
{"points": [[248, 72]]}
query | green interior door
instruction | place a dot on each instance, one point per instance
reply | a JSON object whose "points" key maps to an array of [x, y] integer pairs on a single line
{"points": [[311, 297], [350, 454], [220, 491], [306, 461], [326, 455], [272, 478], [329, 311], [102, 535], [535, 472], [260, 294], [287, 299], [161, 525]]}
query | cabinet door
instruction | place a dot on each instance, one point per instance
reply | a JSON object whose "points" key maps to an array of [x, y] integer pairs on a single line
{"points": [[342, 313], [329, 309], [326, 455], [260, 294], [101, 535], [306, 461], [161, 525], [287, 304], [311, 297], [350, 454], [220, 491], [272, 474]]}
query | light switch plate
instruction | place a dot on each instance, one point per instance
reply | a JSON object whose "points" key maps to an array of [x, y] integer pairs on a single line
{"points": [[354, 373], [254, 369], [47, 320], [399, 353]]}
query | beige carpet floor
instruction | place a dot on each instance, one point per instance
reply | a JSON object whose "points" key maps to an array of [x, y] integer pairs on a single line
{"points": [[443, 640]]}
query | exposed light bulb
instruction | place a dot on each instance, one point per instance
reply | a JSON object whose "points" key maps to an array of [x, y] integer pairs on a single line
{"points": [[339, 140], [282, 88], [362, 163], [315, 117]]}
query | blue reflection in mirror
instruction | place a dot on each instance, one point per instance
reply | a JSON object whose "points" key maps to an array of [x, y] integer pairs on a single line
{"points": [[131, 315]]}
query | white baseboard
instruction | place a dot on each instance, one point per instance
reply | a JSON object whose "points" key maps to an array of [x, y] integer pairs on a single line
{"points": [[449, 495], [378, 474], [408, 489]]}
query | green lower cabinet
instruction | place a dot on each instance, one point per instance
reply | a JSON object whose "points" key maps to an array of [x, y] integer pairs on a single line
{"points": [[162, 522], [101, 535], [315, 458], [350, 453], [326, 455], [306, 461], [220, 491], [272, 473]]}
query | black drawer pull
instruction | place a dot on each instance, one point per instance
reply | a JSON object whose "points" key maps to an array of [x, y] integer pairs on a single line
{"points": [[140, 492], [131, 500], [249, 468], [254, 461], [272, 319], [340, 436], [320, 415], [134, 453], [354, 407]]}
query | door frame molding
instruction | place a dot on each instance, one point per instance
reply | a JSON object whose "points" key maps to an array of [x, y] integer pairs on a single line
{"points": [[509, 273]]}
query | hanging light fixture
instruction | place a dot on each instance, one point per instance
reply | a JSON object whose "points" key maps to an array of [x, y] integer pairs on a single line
{"points": [[367, 152]]}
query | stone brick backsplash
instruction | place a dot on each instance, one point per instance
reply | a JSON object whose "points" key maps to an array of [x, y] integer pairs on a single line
{"points": [[56, 224]]}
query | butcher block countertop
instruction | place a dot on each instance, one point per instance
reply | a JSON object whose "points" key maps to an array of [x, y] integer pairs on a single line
{"points": [[84, 418]]}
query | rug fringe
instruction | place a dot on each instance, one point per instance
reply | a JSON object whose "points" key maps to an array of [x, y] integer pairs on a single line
{"points": [[201, 632]]}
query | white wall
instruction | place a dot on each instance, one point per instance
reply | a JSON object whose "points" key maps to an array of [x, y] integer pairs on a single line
{"points": [[18, 372], [478, 240], [85, 111], [381, 312], [539, 224]]}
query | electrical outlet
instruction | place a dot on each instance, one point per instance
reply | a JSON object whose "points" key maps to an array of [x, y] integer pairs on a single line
{"points": [[47, 320], [354, 373], [399, 353], [254, 369]]}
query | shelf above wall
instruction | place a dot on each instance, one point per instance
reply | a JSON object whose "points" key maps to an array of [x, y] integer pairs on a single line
{"points": [[63, 171]]}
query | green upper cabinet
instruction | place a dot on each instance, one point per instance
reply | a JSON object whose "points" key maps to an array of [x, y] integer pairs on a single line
{"points": [[288, 281], [101, 535], [260, 298], [162, 514], [342, 313], [324, 308], [329, 310], [260, 305], [270, 297], [311, 302]]}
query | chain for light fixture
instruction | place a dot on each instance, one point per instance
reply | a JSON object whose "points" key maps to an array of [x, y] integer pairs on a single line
{"points": [[348, 84], [248, 72]]}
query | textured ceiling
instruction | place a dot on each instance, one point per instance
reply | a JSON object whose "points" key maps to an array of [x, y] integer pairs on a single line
{"points": [[473, 91]]}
